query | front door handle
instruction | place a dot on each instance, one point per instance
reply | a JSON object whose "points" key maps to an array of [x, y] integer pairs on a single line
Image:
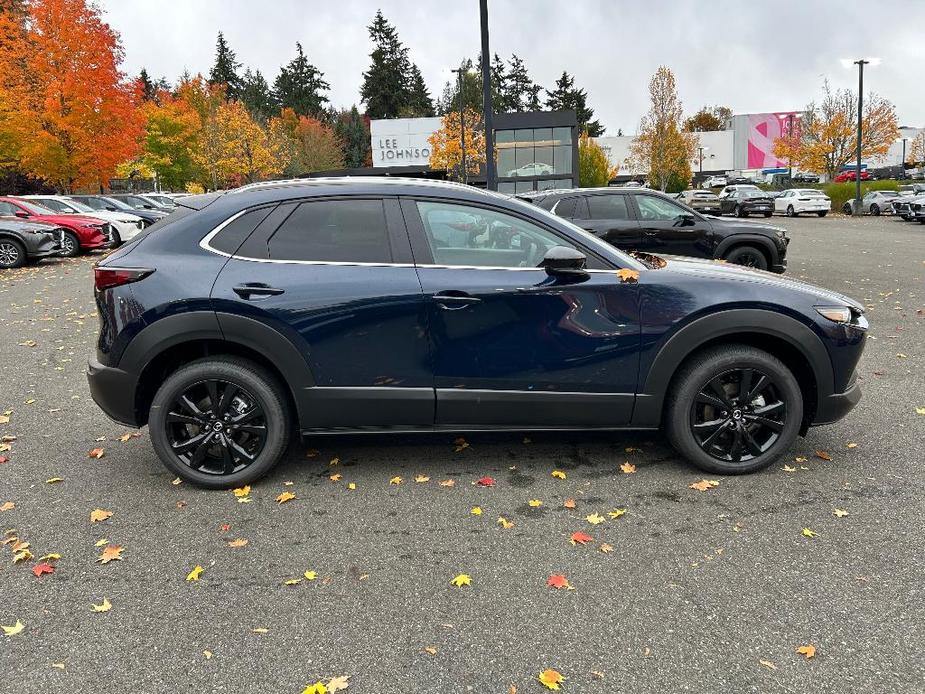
{"points": [[453, 300], [246, 291], [651, 233]]}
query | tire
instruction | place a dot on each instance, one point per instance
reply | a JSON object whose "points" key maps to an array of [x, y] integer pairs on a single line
{"points": [[779, 404], [115, 238], [12, 254], [821, 214], [749, 256], [256, 392], [846, 208], [767, 214], [70, 245], [875, 210], [790, 211]]}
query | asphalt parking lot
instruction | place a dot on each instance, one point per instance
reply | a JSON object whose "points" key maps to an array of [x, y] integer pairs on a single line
{"points": [[700, 591]]}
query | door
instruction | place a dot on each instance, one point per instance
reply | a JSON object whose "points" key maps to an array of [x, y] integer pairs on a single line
{"points": [[511, 345], [609, 217], [669, 228], [335, 277]]}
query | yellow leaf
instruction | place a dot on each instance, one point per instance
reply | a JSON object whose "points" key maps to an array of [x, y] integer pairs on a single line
{"points": [[595, 518], [284, 497], [241, 491], [920, 410], [605, 548], [430, 649], [335, 477], [316, 688], [292, 581], [704, 485], [616, 513], [505, 523], [54, 480], [809, 533], [558, 474], [421, 478], [852, 445], [22, 555], [260, 630], [334, 461], [336, 684], [52, 556], [237, 542], [447, 483], [101, 542], [195, 573], [104, 606], [207, 655], [462, 580], [535, 503], [627, 275], [476, 511], [351, 486], [99, 515], [789, 468], [809, 650], [551, 679], [7, 506], [839, 513], [395, 480], [628, 468], [176, 481], [310, 575], [13, 630]]}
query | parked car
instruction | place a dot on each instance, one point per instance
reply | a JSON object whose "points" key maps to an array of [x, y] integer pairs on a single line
{"points": [[743, 201], [24, 241], [878, 202], [851, 175], [918, 210], [714, 182], [125, 226], [701, 200], [805, 177], [651, 222], [165, 202], [139, 202], [82, 233], [739, 186], [796, 201], [912, 189], [244, 328], [532, 169], [103, 202], [902, 205]]}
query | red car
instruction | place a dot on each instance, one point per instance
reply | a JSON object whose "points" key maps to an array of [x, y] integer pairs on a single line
{"points": [[851, 175], [81, 232]]}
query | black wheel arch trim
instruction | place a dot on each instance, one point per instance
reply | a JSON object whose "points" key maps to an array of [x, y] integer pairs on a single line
{"points": [[737, 239], [691, 337]]}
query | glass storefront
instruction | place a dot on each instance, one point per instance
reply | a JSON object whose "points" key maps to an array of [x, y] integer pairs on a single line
{"points": [[543, 155]]}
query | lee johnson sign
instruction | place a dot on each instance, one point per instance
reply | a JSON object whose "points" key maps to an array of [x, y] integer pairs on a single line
{"points": [[390, 151]]}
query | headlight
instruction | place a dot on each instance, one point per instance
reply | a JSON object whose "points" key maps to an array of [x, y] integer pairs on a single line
{"points": [[838, 314]]}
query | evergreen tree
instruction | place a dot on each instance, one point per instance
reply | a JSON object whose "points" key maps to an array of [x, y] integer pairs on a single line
{"points": [[385, 88], [353, 133], [147, 86], [299, 86], [419, 105], [472, 90], [520, 93], [498, 79], [225, 69], [568, 97], [257, 97]]}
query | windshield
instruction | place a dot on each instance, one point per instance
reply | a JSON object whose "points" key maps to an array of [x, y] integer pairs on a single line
{"points": [[79, 206], [889, 194], [162, 200], [137, 203], [119, 204]]}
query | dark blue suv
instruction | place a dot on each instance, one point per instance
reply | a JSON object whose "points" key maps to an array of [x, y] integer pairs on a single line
{"points": [[390, 305]]}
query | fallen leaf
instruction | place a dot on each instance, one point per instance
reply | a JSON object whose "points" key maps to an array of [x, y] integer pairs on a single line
{"points": [[447, 483], [40, 569], [823, 455], [430, 649], [336, 684], [176, 481], [311, 453], [809, 533], [395, 480], [110, 553], [595, 518], [292, 582], [605, 548], [96, 453], [260, 630], [101, 542], [569, 503], [476, 511], [104, 606], [704, 485], [535, 503], [462, 580], [505, 523], [57, 666], [237, 542], [558, 474], [195, 573], [628, 468], [421, 479], [335, 477], [351, 486], [558, 581], [920, 410], [99, 515], [617, 512], [800, 459], [241, 491], [768, 664], [839, 513], [789, 468], [13, 630], [316, 688], [54, 480], [809, 650], [486, 481], [334, 461], [580, 538], [129, 436], [22, 555], [310, 575], [207, 655], [627, 275], [598, 674], [284, 497], [551, 679], [851, 445], [51, 556], [461, 444], [7, 506]]}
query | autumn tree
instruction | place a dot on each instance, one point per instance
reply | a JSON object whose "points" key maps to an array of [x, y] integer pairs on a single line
{"points": [[225, 69], [15, 51], [300, 86], [446, 144], [310, 144], [171, 140], [662, 145], [67, 109], [567, 97], [594, 168], [353, 133], [827, 136], [236, 149], [708, 119], [916, 152]]}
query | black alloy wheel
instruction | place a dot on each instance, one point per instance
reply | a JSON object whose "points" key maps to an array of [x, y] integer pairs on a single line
{"points": [[790, 211], [70, 244], [216, 427], [12, 254], [875, 210], [738, 415], [749, 256]]}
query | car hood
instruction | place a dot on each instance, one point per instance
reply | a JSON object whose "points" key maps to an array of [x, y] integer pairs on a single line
{"points": [[742, 225], [68, 219], [908, 198], [110, 216], [722, 271], [18, 224]]}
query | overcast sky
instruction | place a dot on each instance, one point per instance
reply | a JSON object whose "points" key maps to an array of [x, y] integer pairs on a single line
{"points": [[753, 57]]}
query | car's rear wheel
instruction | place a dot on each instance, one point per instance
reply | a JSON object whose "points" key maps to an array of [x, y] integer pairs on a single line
{"points": [[115, 238], [846, 208], [823, 213], [220, 422], [767, 214], [790, 211], [875, 210], [733, 409], [748, 256], [70, 244], [12, 254]]}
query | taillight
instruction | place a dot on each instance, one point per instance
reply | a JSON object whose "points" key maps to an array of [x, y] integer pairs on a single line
{"points": [[107, 278]]}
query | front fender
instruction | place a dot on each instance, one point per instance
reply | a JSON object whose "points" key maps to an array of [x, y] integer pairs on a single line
{"points": [[751, 240]]}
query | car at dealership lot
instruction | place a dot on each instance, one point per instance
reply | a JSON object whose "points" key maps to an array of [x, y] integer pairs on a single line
{"points": [[652, 222], [701, 200], [714, 182], [140, 202], [125, 226], [918, 210], [805, 177], [907, 195], [103, 202], [253, 311], [877, 202], [851, 175], [23, 241], [82, 233], [796, 201], [742, 201]]}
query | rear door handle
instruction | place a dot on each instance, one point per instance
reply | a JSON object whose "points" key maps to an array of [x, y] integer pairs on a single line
{"points": [[246, 291], [454, 299]]}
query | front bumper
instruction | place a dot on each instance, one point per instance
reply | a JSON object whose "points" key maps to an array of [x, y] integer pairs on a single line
{"points": [[834, 407], [114, 391]]}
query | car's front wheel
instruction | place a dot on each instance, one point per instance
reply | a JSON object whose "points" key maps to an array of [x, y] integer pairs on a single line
{"points": [[790, 211], [823, 213], [12, 254], [733, 409], [70, 244], [748, 256], [220, 422], [846, 208]]}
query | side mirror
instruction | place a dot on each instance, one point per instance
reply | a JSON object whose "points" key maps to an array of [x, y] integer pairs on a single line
{"points": [[110, 208], [687, 218], [22, 215], [565, 263]]}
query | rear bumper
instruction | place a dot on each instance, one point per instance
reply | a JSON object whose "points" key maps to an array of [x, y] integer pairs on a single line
{"points": [[114, 391], [834, 407]]}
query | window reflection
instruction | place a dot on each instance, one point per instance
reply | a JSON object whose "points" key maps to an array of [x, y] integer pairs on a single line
{"points": [[533, 153]]}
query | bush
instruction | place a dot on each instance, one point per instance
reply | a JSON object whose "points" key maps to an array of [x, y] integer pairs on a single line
{"points": [[840, 193]]}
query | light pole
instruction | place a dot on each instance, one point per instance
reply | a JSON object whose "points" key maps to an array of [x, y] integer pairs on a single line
{"points": [[462, 121], [702, 149], [491, 174], [860, 62], [902, 162]]}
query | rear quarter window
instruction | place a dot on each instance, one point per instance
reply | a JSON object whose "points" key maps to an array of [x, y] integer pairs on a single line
{"points": [[234, 233]]}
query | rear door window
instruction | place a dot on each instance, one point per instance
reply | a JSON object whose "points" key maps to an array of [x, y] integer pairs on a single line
{"points": [[608, 207]]}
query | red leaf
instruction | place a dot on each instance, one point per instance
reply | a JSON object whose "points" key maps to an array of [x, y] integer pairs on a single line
{"points": [[225, 527], [486, 482], [40, 569], [557, 581], [580, 538], [3, 459]]}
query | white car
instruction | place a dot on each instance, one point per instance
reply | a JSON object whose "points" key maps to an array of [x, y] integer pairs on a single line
{"points": [[714, 182], [533, 169], [796, 201], [126, 226]]}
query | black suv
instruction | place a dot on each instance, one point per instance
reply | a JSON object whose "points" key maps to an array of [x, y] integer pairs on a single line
{"points": [[391, 305], [651, 222], [23, 241]]}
